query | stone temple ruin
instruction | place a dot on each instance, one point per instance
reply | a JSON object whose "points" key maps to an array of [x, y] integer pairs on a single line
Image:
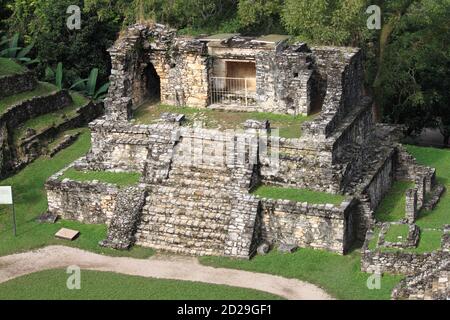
{"points": [[205, 206]]}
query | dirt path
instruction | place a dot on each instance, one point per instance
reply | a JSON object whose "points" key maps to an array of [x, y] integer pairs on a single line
{"points": [[162, 267]]}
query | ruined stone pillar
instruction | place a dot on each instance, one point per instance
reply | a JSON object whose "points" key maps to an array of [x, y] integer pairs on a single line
{"points": [[411, 205], [421, 191]]}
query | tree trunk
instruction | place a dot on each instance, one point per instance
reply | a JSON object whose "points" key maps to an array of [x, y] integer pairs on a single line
{"points": [[385, 34], [447, 140]]}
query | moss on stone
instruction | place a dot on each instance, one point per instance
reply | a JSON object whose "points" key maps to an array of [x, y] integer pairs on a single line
{"points": [[121, 179], [298, 195], [42, 89], [289, 126]]}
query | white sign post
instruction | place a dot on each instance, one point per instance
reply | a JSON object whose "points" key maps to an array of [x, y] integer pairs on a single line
{"points": [[6, 197]]}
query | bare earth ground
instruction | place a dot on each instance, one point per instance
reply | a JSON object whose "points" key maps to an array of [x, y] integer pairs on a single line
{"points": [[162, 267]]}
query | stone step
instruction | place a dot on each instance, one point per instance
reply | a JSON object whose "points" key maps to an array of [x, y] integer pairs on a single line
{"points": [[168, 241], [188, 222], [193, 234], [200, 191], [195, 200], [169, 214], [182, 250]]}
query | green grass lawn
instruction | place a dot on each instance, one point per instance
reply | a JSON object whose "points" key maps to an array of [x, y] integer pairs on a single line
{"points": [[439, 159], [51, 285], [121, 179], [42, 89], [299, 195], [31, 201], [55, 118], [289, 126], [339, 275], [397, 233], [9, 67], [393, 206], [430, 240]]}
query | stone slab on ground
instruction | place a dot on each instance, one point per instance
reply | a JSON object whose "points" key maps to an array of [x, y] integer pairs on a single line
{"points": [[47, 218], [287, 248], [67, 234]]}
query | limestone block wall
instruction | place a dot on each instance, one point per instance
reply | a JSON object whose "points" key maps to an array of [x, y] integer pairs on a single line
{"points": [[184, 82], [382, 181], [17, 114], [124, 146], [182, 67], [431, 284], [341, 75], [284, 82], [302, 164], [328, 227], [87, 202]]}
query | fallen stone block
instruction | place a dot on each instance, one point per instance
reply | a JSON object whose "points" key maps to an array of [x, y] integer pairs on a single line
{"points": [[67, 234], [287, 248], [263, 249], [47, 218]]}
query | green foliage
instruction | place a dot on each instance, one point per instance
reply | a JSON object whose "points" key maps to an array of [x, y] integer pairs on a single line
{"points": [[414, 75], [55, 75], [299, 195], [326, 21], [182, 13], [89, 86], [44, 23], [260, 16], [51, 285], [9, 48]]}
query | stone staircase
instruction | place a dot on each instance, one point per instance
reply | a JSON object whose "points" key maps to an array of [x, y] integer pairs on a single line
{"points": [[201, 210], [126, 218]]}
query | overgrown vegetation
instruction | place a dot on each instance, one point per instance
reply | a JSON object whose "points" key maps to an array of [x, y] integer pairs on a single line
{"points": [[298, 195], [289, 126], [51, 285], [121, 179], [407, 60]]}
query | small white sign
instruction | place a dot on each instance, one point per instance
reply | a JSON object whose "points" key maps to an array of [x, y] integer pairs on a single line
{"points": [[6, 195]]}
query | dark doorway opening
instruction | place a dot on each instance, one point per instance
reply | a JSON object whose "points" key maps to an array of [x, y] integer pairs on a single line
{"points": [[153, 84]]}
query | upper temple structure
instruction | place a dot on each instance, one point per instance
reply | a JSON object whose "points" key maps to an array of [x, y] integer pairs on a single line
{"points": [[273, 114]]}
